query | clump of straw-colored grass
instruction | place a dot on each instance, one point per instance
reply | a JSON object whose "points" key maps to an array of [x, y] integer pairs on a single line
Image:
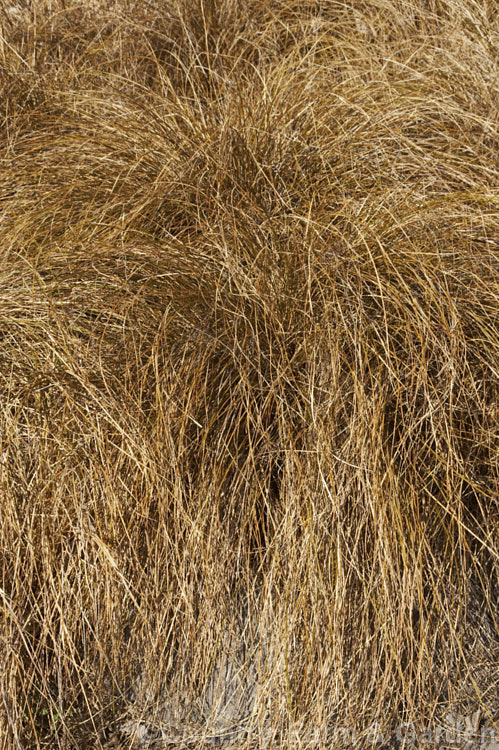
{"points": [[249, 364]]}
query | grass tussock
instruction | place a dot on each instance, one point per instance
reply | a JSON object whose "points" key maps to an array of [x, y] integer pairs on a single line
{"points": [[248, 367]]}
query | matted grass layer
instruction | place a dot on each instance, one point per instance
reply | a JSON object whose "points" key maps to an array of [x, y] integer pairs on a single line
{"points": [[249, 266]]}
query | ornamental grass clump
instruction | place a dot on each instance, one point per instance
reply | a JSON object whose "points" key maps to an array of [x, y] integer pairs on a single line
{"points": [[248, 370]]}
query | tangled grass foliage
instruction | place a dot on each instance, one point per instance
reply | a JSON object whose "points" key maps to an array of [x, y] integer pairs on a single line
{"points": [[249, 362]]}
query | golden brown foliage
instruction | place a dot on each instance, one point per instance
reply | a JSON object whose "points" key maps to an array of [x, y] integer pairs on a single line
{"points": [[249, 358]]}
